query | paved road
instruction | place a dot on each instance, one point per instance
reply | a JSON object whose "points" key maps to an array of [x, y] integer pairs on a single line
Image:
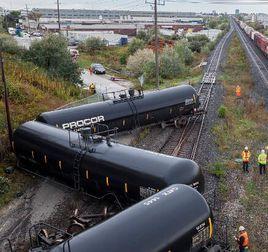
{"points": [[103, 82]]}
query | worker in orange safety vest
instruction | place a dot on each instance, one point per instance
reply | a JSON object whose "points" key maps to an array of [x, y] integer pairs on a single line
{"points": [[245, 158], [242, 239], [238, 91]]}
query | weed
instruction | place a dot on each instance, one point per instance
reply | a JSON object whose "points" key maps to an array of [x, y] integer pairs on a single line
{"points": [[222, 111], [218, 169]]}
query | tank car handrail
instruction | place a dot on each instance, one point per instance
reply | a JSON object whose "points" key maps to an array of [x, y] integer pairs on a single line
{"points": [[8, 241], [122, 99]]}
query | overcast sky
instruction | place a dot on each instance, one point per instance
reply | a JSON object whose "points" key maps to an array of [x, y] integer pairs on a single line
{"points": [[170, 5]]}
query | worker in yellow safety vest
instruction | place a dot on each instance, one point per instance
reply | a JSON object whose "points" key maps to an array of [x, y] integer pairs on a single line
{"points": [[238, 91], [92, 88], [262, 160], [245, 158], [242, 239]]}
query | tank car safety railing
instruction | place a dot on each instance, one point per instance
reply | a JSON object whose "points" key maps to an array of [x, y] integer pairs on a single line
{"points": [[123, 95], [35, 230], [6, 243], [86, 137]]}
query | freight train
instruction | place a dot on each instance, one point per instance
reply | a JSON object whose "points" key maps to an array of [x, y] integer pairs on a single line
{"points": [[177, 218], [130, 111], [258, 38], [98, 165]]}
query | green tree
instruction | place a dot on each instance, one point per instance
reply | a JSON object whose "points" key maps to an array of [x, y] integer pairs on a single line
{"points": [[135, 45], [11, 19], [170, 63], [185, 54], [51, 53]]}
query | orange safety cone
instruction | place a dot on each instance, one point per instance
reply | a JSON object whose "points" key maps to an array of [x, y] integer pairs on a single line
{"points": [[238, 91]]}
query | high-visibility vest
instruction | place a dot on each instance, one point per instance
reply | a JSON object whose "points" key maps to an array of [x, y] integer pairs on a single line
{"points": [[246, 156], [238, 91], [246, 240], [262, 158]]}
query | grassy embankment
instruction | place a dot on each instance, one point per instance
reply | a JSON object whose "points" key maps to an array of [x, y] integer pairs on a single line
{"points": [[31, 92], [244, 122]]}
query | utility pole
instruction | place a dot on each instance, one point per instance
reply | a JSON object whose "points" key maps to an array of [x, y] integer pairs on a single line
{"points": [[27, 13], [9, 127], [155, 3], [58, 8]]}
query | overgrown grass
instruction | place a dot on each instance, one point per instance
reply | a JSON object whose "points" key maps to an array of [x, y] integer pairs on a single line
{"points": [[31, 91], [244, 123], [109, 57]]}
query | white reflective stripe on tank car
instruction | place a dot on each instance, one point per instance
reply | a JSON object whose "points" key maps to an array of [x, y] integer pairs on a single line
{"points": [[147, 116], [32, 154], [170, 110], [87, 174], [210, 228], [60, 165], [124, 122], [45, 158]]}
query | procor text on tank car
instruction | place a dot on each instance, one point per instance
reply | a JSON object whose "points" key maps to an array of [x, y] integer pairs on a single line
{"points": [[176, 219], [171, 105], [99, 166]]}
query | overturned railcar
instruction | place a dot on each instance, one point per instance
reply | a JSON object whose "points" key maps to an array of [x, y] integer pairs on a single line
{"points": [[169, 105], [176, 219], [100, 166]]}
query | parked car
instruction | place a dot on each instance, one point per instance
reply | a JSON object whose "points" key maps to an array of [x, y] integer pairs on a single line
{"points": [[73, 42], [98, 68]]}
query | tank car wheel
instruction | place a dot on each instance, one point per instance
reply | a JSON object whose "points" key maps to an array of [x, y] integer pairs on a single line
{"points": [[75, 228], [181, 122]]}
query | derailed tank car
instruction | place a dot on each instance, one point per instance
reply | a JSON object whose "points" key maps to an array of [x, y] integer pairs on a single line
{"points": [[100, 166], [126, 113], [177, 218]]}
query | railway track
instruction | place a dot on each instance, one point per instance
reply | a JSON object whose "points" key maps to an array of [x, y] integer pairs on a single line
{"points": [[184, 142], [254, 55]]}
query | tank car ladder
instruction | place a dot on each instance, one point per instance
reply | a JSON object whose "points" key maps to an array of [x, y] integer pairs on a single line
{"points": [[76, 169]]}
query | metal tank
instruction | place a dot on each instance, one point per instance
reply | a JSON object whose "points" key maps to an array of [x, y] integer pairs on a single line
{"points": [[177, 218], [129, 110], [98, 165]]}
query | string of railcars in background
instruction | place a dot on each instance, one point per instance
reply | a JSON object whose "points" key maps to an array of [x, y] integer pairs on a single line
{"points": [[258, 38]]}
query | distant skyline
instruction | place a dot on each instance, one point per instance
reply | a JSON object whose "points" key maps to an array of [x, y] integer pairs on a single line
{"points": [[228, 6]]}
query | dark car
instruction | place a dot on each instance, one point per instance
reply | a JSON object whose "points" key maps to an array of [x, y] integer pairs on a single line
{"points": [[98, 69]]}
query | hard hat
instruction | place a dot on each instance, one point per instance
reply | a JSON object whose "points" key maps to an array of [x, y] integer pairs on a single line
{"points": [[262, 151], [246, 148], [241, 228]]}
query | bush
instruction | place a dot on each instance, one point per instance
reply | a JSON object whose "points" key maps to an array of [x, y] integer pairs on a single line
{"points": [[222, 111], [197, 42], [184, 53], [8, 44], [51, 53], [123, 59], [218, 169], [149, 72], [137, 62], [92, 44], [135, 45], [4, 185]]}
